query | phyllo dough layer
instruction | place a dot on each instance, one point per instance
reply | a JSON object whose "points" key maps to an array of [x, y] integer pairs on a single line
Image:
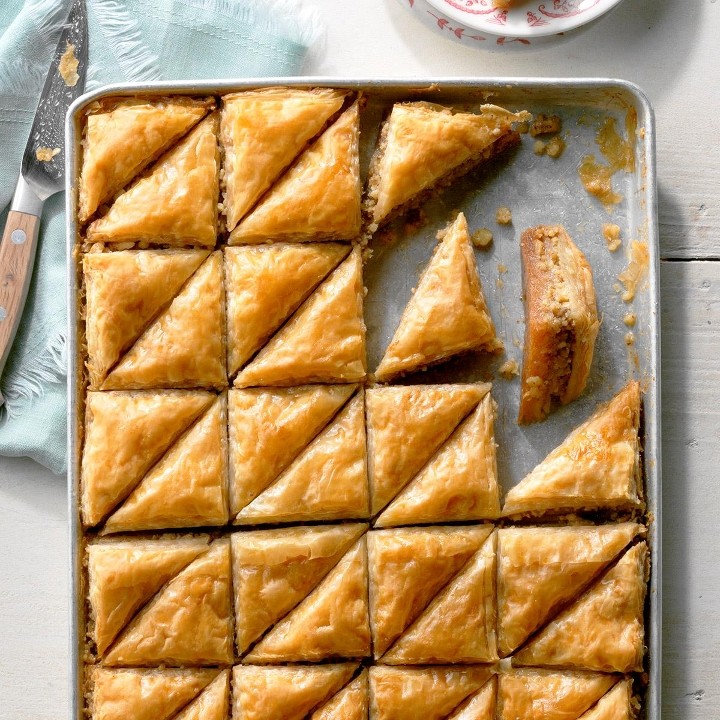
{"points": [[447, 314], [264, 285], [596, 467], [331, 622], [158, 694], [423, 146], [350, 703], [406, 425], [617, 704], [275, 570], [188, 622], [123, 138], [262, 132], [541, 569], [176, 203], [433, 693], [324, 341], [318, 198], [561, 321], [184, 346], [286, 693]]}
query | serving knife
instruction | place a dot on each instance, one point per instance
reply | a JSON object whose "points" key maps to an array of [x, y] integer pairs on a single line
{"points": [[42, 173]]}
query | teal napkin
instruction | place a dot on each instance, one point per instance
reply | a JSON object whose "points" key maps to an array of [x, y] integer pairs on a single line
{"points": [[129, 40]]}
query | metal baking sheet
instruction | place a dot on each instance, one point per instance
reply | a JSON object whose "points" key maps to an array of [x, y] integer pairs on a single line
{"points": [[538, 190]]}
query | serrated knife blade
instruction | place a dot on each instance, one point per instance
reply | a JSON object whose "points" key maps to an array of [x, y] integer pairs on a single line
{"points": [[42, 173]]}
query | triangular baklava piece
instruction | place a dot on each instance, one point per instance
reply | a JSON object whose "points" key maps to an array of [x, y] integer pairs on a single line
{"points": [[467, 605], [125, 435], [617, 704], [327, 481], [318, 198], [176, 203], [262, 132], [596, 467], [541, 568], [408, 567], [124, 292], [458, 483], [406, 425], [432, 693], [213, 703], [188, 487], [446, 315], [124, 575], [481, 706], [189, 622], [324, 341], [156, 694], [423, 146], [604, 628], [265, 285], [549, 695], [124, 138], [561, 321], [331, 622], [184, 346], [274, 570], [269, 429], [351, 703], [285, 693]]}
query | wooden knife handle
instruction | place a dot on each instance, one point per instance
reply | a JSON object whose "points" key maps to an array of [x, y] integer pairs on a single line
{"points": [[17, 255]]}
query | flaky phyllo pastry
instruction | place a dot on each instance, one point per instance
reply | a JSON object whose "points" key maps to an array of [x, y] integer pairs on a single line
{"points": [[423, 146], [447, 313], [596, 467], [175, 202], [561, 321], [121, 139], [262, 132]]}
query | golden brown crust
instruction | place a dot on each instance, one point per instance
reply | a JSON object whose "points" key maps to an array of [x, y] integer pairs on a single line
{"points": [[274, 570], [126, 433], [188, 623], [122, 139], [332, 621], [351, 703], [185, 345], [604, 628], [459, 483], [176, 203], [596, 467], [262, 132], [540, 569], [616, 704], [285, 693], [213, 703], [406, 425], [446, 315], [265, 285], [318, 198], [422, 143], [324, 341], [561, 321], [269, 428], [481, 706], [124, 292]]}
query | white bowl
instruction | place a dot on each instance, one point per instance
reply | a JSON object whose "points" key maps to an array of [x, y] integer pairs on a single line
{"points": [[526, 18]]}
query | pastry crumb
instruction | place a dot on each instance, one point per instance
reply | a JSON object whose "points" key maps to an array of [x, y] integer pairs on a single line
{"points": [[46, 154], [630, 319], [509, 369], [631, 276], [499, 283], [523, 127], [546, 124], [611, 233], [629, 339], [68, 66], [482, 238], [555, 147], [539, 147], [502, 269], [503, 215]]}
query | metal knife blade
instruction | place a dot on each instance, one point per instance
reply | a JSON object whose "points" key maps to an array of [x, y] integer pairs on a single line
{"points": [[42, 173]]}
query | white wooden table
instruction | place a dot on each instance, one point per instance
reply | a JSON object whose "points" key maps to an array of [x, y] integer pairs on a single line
{"points": [[670, 49]]}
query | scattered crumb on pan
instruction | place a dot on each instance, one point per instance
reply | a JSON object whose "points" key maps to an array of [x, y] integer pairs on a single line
{"points": [[503, 215], [482, 238], [636, 269], [611, 233], [68, 66]]}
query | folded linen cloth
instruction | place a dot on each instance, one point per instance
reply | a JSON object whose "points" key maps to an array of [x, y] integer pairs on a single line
{"points": [[129, 40]]}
